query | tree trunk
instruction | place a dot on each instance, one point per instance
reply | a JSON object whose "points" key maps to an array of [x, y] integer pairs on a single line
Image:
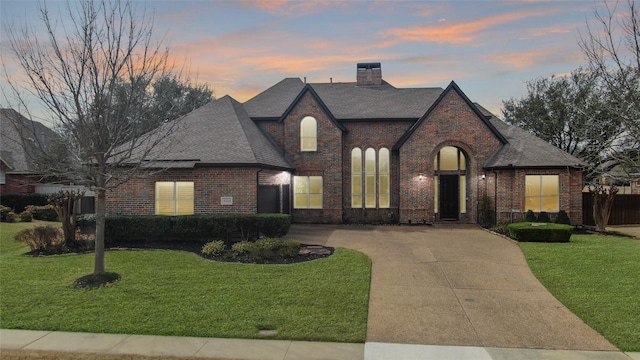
{"points": [[101, 211]]}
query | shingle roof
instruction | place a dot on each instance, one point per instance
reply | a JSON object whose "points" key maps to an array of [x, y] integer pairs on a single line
{"points": [[13, 150], [220, 133], [526, 150], [346, 101]]}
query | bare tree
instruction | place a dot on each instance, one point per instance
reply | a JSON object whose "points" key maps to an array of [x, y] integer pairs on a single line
{"points": [[602, 203], [612, 46], [76, 74]]}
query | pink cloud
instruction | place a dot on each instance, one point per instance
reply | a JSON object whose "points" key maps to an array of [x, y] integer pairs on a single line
{"points": [[454, 33]]}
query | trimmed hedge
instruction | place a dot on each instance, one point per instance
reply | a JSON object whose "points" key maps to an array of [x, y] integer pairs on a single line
{"points": [[121, 228], [19, 202], [540, 232], [45, 212]]}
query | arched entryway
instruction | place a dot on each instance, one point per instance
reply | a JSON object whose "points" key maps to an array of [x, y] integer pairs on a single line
{"points": [[450, 179]]}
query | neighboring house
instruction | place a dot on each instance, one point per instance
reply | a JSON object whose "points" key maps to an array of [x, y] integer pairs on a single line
{"points": [[357, 152], [18, 174], [17, 171]]}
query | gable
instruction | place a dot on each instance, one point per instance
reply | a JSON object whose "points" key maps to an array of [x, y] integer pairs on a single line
{"points": [[309, 90], [452, 88]]}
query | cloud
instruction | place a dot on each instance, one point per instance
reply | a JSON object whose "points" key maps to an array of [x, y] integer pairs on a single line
{"points": [[454, 33], [535, 57]]}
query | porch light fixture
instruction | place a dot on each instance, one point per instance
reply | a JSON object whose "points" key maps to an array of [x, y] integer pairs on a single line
{"points": [[483, 176], [420, 176]]}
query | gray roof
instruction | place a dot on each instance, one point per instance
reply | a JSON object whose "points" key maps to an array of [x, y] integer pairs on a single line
{"points": [[222, 134], [346, 101], [526, 150], [14, 148]]}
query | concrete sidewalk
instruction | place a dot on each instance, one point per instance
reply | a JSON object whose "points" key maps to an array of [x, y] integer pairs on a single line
{"points": [[238, 349]]}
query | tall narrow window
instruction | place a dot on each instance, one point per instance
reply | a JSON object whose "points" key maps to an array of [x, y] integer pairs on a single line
{"points": [[370, 178], [308, 134], [383, 178], [174, 198], [542, 193], [307, 192], [356, 178]]}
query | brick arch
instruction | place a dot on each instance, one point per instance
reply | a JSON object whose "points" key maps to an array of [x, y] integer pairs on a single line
{"points": [[470, 155]]}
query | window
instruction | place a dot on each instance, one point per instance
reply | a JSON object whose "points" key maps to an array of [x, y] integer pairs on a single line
{"points": [[370, 178], [374, 180], [308, 134], [307, 192], [3, 178], [356, 178], [542, 193], [383, 178], [174, 198]]}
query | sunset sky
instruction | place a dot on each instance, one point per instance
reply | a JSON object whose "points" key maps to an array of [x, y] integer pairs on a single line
{"points": [[240, 48]]}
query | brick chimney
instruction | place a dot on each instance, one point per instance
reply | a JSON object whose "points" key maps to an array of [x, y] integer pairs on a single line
{"points": [[369, 74]]}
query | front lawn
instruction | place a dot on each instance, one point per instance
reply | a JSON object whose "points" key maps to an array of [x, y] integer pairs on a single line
{"points": [[165, 292], [597, 278]]}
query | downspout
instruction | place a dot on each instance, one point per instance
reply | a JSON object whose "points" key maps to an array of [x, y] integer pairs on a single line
{"points": [[495, 195]]}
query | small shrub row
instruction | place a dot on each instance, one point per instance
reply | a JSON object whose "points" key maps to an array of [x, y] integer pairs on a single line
{"points": [[543, 217], [121, 228], [261, 250], [46, 212], [540, 232], [49, 240], [19, 202]]}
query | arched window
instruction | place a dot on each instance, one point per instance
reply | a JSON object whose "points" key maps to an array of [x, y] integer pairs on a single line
{"points": [[383, 178], [308, 134], [450, 164], [370, 178], [356, 178]]}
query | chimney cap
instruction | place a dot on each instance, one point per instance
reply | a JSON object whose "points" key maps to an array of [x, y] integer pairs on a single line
{"points": [[373, 65]]}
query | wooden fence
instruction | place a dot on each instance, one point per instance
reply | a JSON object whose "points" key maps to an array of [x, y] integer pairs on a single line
{"points": [[626, 210]]}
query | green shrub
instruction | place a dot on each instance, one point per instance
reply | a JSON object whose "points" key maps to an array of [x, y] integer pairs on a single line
{"points": [[530, 216], [241, 248], [273, 225], [264, 249], [3, 213], [543, 217], [26, 216], [290, 249], [45, 213], [19, 202], [136, 228], [86, 223], [42, 238], [540, 232], [486, 212], [213, 248], [563, 218], [501, 229], [11, 217]]}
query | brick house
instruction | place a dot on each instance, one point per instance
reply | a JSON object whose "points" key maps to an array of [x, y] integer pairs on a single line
{"points": [[357, 152]]}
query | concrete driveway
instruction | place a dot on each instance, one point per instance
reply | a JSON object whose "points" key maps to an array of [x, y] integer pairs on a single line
{"points": [[455, 285]]}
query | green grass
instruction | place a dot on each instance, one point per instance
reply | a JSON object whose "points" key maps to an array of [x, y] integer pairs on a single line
{"points": [[166, 292], [598, 279]]}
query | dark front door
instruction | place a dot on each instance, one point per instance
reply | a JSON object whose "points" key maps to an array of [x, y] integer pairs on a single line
{"points": [[268, 199], [449, 197]]}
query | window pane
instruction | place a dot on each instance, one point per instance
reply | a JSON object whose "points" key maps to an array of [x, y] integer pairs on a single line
{"points": [[164, 190], [384, 201], [532, 185], [384, 160], [184, 190], [463, 194], [356, 201], [184, 207], [164, 207], [370, 201], [532, 203], [300, 201], [550, 203], [308, 134], [449, 158], [300, 185], [463, 161], [370, 160], [384, 184], [315, 184], [550, 184], [315, 201], [356, 160]]}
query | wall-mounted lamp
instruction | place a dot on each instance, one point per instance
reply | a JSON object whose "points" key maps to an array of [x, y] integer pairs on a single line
{"points": [[483, 176], [420, 176]]}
